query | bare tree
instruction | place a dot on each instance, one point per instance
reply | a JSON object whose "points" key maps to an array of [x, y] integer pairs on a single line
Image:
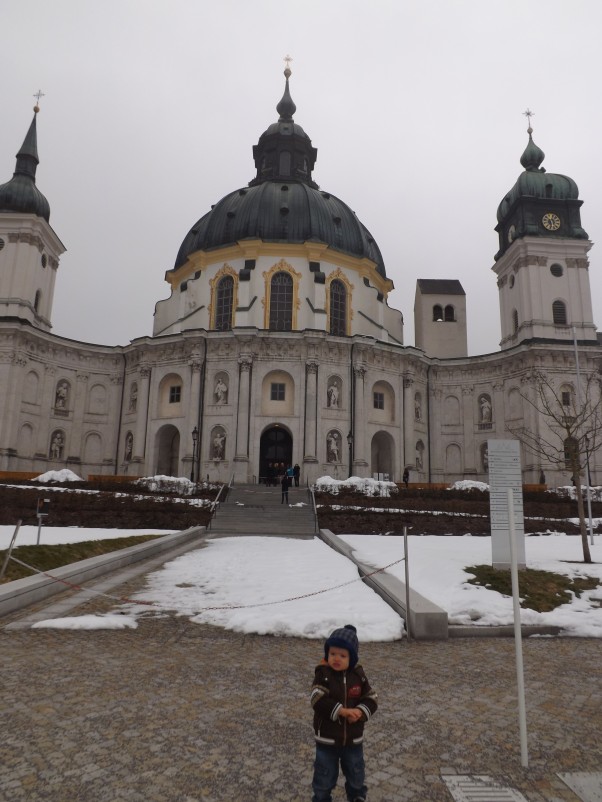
{"points": [[571, 434]]}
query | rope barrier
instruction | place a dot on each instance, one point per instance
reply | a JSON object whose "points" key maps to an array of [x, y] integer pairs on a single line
{"points": [[207, 609]]}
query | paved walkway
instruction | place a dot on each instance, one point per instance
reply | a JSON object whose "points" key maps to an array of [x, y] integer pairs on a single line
{"points": [[181, 712]]}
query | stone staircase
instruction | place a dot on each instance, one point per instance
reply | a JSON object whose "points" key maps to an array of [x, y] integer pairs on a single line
{"points": [[257, 510]]}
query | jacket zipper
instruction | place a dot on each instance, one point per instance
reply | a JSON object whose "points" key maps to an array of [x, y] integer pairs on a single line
{"points": [[345, 705]]}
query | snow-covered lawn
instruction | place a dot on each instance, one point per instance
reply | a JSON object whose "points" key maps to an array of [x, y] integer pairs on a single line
{"points": [[283, 586]]}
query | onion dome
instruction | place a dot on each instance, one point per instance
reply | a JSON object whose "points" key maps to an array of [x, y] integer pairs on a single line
{"points": [[20, 194], [534, 182], [537, 198], [282, 203]]}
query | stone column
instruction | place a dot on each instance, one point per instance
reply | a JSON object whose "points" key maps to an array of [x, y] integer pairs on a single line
{"points": [[409, 438], [244, 400], [46, 404], [142, 415], [14, 393], [192, 418], [359, 422], [76, 443], [499, 418], [468, 420], [311, 409], [434, 445]]}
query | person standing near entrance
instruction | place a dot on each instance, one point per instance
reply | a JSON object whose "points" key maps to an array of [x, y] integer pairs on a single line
{"points": [[296, 474], [284, 483]]}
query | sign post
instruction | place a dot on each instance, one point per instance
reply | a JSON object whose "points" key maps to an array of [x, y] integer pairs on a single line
{"points": [[504, 475], [42, 512]]}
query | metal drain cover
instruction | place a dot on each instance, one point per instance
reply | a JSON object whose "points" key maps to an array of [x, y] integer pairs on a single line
{"points": [[586, 784], [479, 788]]}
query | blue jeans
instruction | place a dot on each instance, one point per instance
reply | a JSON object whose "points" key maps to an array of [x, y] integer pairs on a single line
{"points": [[326, 771]]}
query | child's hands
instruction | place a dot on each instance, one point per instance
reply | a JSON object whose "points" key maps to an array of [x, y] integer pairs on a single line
{"points": [[352, 714]]}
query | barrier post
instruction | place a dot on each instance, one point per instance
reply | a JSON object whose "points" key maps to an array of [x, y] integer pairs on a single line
{"points": [[10, 549], [407, 575]]}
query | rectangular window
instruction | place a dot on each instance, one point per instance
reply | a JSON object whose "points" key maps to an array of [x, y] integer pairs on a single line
{"points": [[175, 395], [379, 400], [277, 392], [566, 398]]}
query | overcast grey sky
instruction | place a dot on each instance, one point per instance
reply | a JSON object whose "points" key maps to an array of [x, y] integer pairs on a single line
{"points": [[151, 109]]}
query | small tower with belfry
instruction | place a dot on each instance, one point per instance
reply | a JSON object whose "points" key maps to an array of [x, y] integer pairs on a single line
{"points": [[541, 264], [29, 248]]}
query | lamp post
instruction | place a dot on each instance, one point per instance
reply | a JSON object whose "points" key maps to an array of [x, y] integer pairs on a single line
{"points": [[350, 444], [195, 441]]}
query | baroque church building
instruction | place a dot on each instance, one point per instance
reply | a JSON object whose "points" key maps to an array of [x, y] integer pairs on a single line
{"points": [[277, 343]]}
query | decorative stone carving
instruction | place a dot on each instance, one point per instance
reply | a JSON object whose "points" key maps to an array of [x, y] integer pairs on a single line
{"points": [[485, 412], [61, 396], [333, 394], [218, 444], [333, 446], [129, 446], [418, 407], [220, 391], [57, 443], [133, 396]]}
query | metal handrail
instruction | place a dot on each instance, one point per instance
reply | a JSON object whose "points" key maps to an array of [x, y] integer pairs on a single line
{"points": [[312, 496], [216, 502]]}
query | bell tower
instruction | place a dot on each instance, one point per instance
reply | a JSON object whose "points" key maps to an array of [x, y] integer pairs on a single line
{"points": [[29, 248], [541, 264]]}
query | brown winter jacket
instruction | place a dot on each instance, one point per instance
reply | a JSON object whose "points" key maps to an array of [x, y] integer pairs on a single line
{"points": [[333, 690]]}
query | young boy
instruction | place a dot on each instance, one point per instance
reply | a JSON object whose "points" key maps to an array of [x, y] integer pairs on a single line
{"points": [[343, 701]]}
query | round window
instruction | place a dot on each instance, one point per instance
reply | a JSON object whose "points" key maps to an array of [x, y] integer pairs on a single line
{"points": [[44, 260], [511, 282], [1, 243], [556, 270]]}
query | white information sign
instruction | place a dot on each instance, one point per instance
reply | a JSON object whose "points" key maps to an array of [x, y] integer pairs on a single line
{"points": [[504, 473]]}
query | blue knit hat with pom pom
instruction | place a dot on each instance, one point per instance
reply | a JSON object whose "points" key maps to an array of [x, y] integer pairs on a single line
{"points": [[344, 638]]}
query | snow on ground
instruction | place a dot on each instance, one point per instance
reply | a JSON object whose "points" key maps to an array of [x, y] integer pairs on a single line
{"points": [[58, 476], [255, 575], [437, 571], [270, 585], [54, 535], [369, 487]]}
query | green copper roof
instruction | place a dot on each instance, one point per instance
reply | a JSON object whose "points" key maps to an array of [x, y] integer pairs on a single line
{"points": [[20, 194]]}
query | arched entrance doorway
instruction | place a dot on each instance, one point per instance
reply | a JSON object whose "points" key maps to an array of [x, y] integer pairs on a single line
{"points": [[276, 445], [167, 450], [382, 455]]}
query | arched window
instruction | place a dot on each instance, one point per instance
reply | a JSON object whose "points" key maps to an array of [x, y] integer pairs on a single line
{"points": [[437, 313], [450, 314], [514, 321], [281, 303], [338, 308], [223, 304], [559, 313]]}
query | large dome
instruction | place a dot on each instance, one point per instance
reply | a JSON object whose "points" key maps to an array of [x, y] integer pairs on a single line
{"points": [[282, 203]]}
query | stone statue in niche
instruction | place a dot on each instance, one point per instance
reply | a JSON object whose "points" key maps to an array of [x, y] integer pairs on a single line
{"points": [[417, 408], [485, 409], [56, 446], [62, 394], [219, 444], [419, 456], [133, 396], [129, 446], [333, 447], [333, 395], [221, 391]]}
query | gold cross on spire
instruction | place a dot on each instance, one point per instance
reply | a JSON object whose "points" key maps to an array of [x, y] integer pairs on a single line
{"points": [[37, 96], [528, 114], [287, 61]]}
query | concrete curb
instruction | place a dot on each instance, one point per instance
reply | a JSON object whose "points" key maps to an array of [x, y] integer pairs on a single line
{"points": [[427, 620], [23, 592]]}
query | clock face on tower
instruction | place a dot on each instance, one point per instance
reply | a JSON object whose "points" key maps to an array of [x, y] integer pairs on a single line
{"points": [[551, 221]]}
